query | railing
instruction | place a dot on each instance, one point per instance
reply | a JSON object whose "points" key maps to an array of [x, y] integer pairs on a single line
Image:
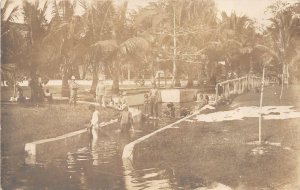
{"points": [[237, 86]]}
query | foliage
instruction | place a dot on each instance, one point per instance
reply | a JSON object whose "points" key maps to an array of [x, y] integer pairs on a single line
{"points": [[180, 35]]}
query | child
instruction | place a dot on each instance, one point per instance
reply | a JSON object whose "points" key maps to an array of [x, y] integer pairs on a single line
{"points": [[171, 111], [207, 99], [48, 96], [95, 122], [122, 101], [146, 104], [202, 101], [126, 120]]}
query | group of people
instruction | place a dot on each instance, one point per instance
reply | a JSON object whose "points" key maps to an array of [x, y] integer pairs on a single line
{"points": [[38, 94], [119, 103], [151, 101], [202, 99]]}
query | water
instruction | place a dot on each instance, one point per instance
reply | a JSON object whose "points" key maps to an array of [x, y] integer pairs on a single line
{"points": [[95, 164]]}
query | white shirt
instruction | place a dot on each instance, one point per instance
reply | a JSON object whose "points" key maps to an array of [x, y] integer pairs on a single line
{"points": [[95, 118]]}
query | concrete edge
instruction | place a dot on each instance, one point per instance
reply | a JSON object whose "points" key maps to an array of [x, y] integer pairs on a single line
{"points": [[128, 149], [127, 156], [30, 148]]}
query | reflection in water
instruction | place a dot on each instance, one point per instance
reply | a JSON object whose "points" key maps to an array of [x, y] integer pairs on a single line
{"points": [[96, 164], [152, 178]]}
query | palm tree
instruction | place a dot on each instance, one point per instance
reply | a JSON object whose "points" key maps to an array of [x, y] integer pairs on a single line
{"points": [[36, 29], [285, 27], [122, 44], [98, 19], [11, 42], [68, 36], [178, 25], [281, 36]]}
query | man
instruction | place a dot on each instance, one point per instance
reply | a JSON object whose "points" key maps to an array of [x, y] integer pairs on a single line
{"points": [[73, 91], [100, 92]]}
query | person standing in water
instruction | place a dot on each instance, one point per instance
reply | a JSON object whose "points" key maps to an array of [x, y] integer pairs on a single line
{"points": [[95, 122], [73, 91], [126, 120], [154, 101]]}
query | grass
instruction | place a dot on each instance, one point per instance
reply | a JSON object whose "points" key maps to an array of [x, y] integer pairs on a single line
{"points": [[205, 152], [21, 124]]}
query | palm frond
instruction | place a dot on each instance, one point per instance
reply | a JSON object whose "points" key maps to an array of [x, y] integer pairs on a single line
{"points": [[267, 50], [133, 45], [105, 47]]}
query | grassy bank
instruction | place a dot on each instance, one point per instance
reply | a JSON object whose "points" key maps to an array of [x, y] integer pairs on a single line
{"points": [[200, 152], [21, 124]]}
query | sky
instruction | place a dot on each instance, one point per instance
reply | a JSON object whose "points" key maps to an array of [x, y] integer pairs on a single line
{"points": [[254, 9]]}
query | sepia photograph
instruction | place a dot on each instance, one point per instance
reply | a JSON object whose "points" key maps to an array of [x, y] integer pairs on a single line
{"points": [[150, 95]]}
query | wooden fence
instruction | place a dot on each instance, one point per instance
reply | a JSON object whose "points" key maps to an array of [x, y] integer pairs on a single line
{"points": [[237, 86]]}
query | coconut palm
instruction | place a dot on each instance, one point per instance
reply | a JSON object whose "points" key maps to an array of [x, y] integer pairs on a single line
{"points": [[178, 26], [281, 36], [11, 41], [68, 36], [35, 29], [98, 24], [121, 45]]}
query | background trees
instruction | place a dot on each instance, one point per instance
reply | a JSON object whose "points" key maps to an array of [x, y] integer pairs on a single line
{"points": [[177, 35]]}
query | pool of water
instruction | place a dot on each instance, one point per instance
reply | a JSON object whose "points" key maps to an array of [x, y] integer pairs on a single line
{"points": [[95, 164]]}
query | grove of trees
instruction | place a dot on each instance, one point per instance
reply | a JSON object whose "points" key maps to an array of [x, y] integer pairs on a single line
{"points": [[188, 38]]}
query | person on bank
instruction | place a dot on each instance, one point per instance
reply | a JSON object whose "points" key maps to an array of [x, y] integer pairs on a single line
{"points": [[100, 93], [48, 96], [20, 95], [73, 91], [146, 105]]}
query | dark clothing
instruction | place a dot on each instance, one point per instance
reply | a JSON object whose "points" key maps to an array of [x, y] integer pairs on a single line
{"points": [[154, 108], [154, 102], [220, 90], [126, 120]]}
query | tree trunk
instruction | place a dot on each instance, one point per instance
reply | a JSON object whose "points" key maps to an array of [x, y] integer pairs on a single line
{"points": [[190, 82], [176, 80], [282, 81], [95, 79], [65, 90], [115, 77], [128, 72], [34, 85], [260, 105]]}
